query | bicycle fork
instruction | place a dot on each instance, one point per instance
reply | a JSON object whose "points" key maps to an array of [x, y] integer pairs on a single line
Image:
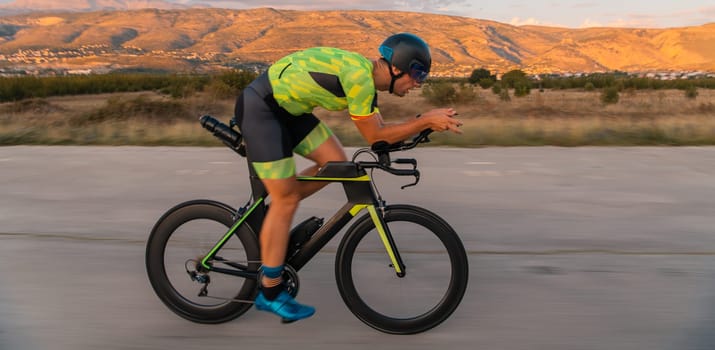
{"points": [[386, 237]]}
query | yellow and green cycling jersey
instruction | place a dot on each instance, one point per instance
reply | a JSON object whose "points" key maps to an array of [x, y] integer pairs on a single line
{"points": [[325, 77]]}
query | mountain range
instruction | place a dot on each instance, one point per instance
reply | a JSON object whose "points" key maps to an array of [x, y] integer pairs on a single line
{"points": [[27, 6], [186, 37]]}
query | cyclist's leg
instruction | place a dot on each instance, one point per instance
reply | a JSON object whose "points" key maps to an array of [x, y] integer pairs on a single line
{"points": [[285, 197], [319, 145], [274, 238], [269, 147]]}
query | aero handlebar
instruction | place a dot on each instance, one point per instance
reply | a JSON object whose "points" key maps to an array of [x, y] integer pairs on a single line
{"points": [[234, 140]]}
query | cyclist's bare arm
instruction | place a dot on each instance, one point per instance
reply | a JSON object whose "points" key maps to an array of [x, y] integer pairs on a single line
{"points": [[374, 128]]}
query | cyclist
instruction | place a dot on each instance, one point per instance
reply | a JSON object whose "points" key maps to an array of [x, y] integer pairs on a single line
{"points": [[274, 114]]}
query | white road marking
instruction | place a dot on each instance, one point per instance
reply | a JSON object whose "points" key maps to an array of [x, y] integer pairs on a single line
{"points": [[192, 172], [492, 173], [482, 173]]}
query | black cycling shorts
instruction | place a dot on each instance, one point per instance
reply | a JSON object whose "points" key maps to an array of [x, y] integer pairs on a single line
{"points": [[271, 134]]}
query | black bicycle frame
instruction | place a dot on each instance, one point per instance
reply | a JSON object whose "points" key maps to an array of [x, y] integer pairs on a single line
{"points": [[360, 195]]}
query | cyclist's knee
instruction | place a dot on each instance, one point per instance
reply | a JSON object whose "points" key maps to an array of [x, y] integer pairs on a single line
{"points": [[290, 199], [285, 194]]}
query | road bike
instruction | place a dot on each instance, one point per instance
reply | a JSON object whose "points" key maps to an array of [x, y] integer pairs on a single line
{"points": [[400, 269]]}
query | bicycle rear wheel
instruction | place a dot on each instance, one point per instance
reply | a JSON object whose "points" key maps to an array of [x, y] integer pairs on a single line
{"points": [[436, 269], [178, 242]]}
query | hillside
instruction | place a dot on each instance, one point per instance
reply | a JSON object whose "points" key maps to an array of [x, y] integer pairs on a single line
{"points": [[25, 6], [185, 39]]}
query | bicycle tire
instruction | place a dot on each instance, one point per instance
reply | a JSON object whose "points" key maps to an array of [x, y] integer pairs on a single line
{"points": [[222, 217], [422, 220]]}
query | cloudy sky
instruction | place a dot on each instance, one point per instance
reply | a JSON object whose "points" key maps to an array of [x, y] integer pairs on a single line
{"points": [[564, 13], [575, 13]]}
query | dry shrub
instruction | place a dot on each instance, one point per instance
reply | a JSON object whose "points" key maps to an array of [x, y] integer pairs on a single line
{"points": [[140, 108], [33, 106], [610, 95], [707, 108]]}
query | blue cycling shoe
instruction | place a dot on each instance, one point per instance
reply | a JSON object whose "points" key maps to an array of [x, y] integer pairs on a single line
{"points": [[284, 306]]}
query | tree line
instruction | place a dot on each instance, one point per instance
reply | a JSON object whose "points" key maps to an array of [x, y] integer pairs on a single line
{"points": [[229, 83], [225, 84], [444, 91], [621, 80]]}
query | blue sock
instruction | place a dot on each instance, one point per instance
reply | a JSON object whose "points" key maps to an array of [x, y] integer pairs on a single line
{"points": [[274, 285]]}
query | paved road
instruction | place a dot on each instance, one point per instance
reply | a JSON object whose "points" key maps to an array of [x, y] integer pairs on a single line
{"points": [[570, 248]]}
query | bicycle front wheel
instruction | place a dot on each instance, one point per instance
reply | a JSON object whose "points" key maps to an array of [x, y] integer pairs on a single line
{"points": [[436, 270], [178, 242]]}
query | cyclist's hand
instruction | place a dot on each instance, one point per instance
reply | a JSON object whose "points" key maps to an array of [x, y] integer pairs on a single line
{"points": [[443, 119]]}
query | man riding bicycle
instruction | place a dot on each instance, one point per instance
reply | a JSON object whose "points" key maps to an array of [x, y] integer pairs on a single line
{"points": [[274, 114]]}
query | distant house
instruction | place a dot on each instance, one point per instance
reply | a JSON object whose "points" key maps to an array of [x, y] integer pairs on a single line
{"points": [[79, 71]]}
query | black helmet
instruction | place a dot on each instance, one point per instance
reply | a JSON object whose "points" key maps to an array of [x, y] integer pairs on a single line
{"points": [[409, 53]]}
